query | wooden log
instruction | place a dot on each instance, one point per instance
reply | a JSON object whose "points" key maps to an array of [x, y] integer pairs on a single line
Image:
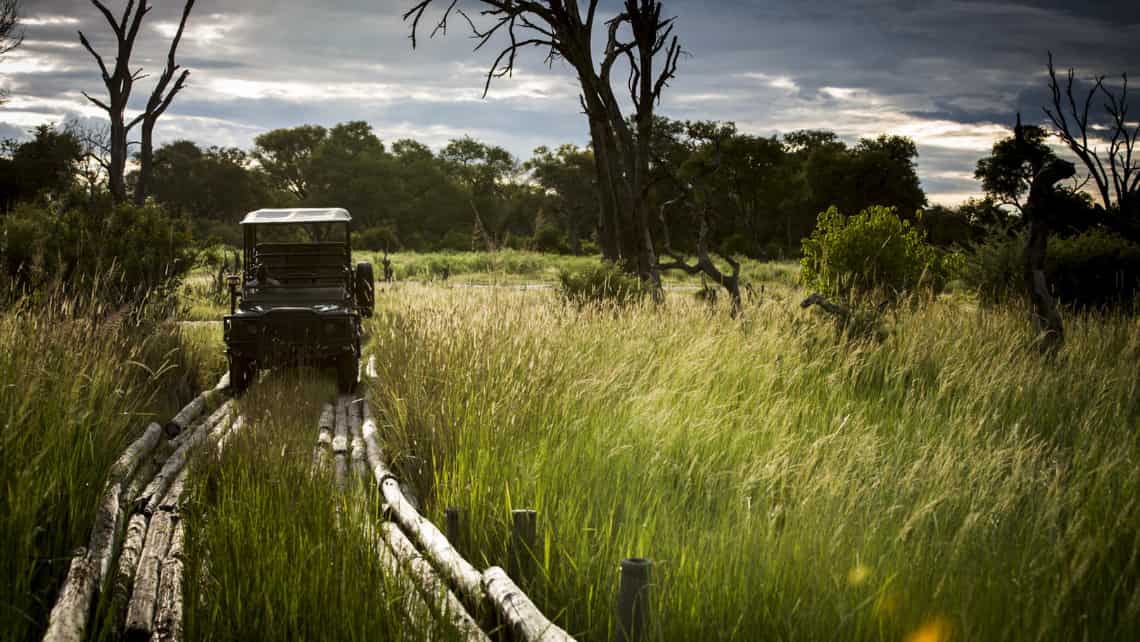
{"points": [[340, 441], [325, 426], [68, 620], [157, 488], [633, 599], [357, 454], [524, 536], [128, 565], [173, 497], [168, 611], [523, 619], [74, 613], [435, 546], [436, 593], [238, 424], [190, 411], [413, 605], [375, 456], [144, 595]]}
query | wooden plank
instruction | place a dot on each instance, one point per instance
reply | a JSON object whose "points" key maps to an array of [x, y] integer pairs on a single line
{"points": [[436, 593], [523, 619], [68, 620], [144, 595]]}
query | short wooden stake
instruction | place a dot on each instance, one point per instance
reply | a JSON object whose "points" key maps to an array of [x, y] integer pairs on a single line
{"points": [[524, 534], [633, 599], [455, 527]]}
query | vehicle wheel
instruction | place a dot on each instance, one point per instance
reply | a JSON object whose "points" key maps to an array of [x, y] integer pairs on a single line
{"points": [[346, 372], [365, 289], [241, 374]]}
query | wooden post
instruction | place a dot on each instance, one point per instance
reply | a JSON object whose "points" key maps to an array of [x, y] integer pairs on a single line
{"points": [[633, 599], [524, 534], [455, 526]]}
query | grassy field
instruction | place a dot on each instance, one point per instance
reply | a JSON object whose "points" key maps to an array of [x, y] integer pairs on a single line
{"points": [[946, 484], [73, 393]]}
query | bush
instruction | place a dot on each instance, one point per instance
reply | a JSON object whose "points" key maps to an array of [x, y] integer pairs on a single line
{"points": [[605, 283], [548, 238], [874, 250], [1095, 269], [456, 240], [132, 252], [376, 239]]}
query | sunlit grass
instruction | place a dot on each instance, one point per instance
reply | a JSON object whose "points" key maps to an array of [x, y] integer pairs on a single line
{"points": [[948, 483]]}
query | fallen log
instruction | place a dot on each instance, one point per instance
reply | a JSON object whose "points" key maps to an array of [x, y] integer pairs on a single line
{"points": [[325, 426], [436, 593], [82, 585], [356, 446], [68, 620], [190, 412], [168, 611], [156, 490], [413, 605], [128, 565], [435, 546], [237, 425], [523, 619], [340, 441], [144, 595]]}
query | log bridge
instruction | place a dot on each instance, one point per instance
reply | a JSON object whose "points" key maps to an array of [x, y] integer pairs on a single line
{"points": [[134, 556]]}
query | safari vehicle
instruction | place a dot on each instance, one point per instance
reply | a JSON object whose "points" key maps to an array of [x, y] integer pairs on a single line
{"points": [[301, 298]]}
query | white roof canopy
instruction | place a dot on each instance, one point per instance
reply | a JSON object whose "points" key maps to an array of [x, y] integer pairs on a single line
{"points": [[298, 215]]}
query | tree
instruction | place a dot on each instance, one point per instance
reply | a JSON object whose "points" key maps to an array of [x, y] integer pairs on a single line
{"points": [[156, 105], [215, 184], [567, 176], [10, 33], [286, 157], [120, 81], [482, 170], [637, 35], [1118, 184], [1006, 174], [44, 165]]}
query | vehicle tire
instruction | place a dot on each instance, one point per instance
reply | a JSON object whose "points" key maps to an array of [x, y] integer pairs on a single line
{"points": [[242, 373], [365, 289], [347, 367]]}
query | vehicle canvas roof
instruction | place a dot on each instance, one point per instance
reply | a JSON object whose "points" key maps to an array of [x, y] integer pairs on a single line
{"points": [[298, 215]]}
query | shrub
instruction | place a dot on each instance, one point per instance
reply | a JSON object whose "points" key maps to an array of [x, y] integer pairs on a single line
{"points": [[1095, 269], [605, 283], [548, 238], [456, 240], [873, 250], [376, 239], [133, 252]]}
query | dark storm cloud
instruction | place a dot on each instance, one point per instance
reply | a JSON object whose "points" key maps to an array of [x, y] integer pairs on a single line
{"points": [[949, 74]]}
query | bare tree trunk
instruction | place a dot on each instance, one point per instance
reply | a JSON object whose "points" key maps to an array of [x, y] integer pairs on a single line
{"points": [[1042, 307]]}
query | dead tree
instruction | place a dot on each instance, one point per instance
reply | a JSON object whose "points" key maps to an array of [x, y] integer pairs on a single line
{"points": [[640, 38], [1040, 215], [10, 34], [120, 80], [1117, 172], [160, 99]]}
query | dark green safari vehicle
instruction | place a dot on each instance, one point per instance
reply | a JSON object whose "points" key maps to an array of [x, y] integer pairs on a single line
{"points": [[299, 299]]}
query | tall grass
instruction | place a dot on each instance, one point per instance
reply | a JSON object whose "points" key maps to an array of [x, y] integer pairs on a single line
{"points": [[274, 551], [77, 383], [788, 485]]}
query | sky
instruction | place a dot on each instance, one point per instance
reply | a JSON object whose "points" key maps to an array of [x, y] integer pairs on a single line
{"points": [[950, 74]]}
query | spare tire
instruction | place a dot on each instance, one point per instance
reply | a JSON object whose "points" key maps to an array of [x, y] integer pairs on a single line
{"points": [[365, 289]]}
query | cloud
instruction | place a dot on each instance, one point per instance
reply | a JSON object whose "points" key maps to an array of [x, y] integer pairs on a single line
{"points": [[948, 74]]}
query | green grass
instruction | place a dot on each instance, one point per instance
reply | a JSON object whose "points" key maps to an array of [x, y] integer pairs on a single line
{"points": [[275, 551], [77, 384], [948, 481]]}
